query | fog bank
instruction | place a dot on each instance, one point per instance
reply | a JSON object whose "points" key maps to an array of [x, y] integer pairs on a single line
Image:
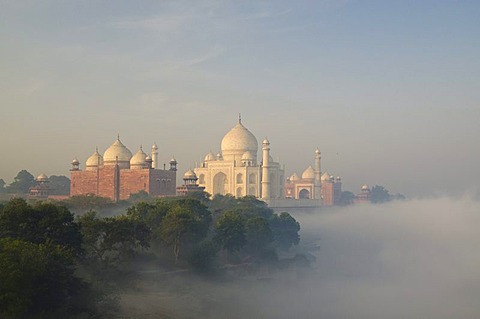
{"points": [[411, 259]]}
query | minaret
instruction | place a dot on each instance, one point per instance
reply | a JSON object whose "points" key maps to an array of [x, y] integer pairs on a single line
{"points": [[318, 174], [265, 170], [154, 156]]}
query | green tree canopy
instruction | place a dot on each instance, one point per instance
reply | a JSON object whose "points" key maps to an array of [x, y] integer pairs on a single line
{"points": [[259, 234], [39, 224], [379, 194], [22, 183], [230, 232], [36, 280], [285, 230], [59, 185]]}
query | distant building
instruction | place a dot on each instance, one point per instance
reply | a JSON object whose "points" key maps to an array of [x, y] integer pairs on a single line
{"points": [[41, 189], [331, 189], [238, 171], [189, 184], [364, 196], [118, 173]]}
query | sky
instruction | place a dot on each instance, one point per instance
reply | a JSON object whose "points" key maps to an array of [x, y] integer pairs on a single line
{"points": [[389, 91]]}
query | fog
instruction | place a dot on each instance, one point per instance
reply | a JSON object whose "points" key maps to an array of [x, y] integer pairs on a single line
{"points": [[410, 259]]}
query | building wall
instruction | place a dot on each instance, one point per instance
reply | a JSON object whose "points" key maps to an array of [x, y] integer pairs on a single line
{"points": [[114, 183]]}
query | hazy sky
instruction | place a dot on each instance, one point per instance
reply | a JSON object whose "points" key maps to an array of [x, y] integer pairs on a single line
{"points": [[388, 90]]}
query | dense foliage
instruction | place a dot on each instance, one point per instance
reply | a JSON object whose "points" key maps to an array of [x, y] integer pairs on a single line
{"points": [[56, 264]]}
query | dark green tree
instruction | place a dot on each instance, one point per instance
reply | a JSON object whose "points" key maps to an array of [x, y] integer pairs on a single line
{"points": [[379, 194], [259, 234], [39, 224], [59, 185], [285, 230], [346, 198], [230, 232], [187, 221], [2, 186], [108, 241], [37, 281], [21, 183]]}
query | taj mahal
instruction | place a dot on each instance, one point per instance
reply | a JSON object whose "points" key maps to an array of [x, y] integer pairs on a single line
{"points": [[238, 171]]}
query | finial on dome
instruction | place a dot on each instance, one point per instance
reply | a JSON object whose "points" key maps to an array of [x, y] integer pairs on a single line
{"points": [[141, 149], [239, 118], [96, 149]]}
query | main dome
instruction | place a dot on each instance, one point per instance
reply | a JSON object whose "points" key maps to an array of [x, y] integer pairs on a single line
{"points": [[238, 141], [117, 151]]}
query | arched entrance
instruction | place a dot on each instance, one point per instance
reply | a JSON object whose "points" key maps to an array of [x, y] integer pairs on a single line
{"points": [[304, 193], [220, 184]]}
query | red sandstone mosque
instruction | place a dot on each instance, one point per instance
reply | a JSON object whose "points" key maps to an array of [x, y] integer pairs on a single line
{"points": [[118, 174]]}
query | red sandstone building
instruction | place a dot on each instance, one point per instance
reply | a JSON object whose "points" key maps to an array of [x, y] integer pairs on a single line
{"points": [[117, 174]]}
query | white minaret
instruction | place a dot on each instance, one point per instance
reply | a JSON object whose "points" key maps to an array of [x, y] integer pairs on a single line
{"points": [[154, 156], [318, 174], [265, 170]]}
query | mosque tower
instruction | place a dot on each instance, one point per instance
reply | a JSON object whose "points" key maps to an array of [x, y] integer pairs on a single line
{"points": [[265, 170], [318, 174], [154, 156]]}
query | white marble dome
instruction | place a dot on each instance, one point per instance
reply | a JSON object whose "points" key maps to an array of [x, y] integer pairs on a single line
{"points": [[139, 160], [117, 151], [238, 141], [309, 173], [209, 157], [247, 156], [42, 178], [189, 175], [365, 187], [94, 161]]}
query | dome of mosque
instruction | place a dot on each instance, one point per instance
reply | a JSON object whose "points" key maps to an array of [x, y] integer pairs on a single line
{"points": [[95, 160], [365, 187], [247, 156], [139, 159], [75, 161], [294, 177], [189, 175], [209, 157], [325, 177], [42, 177], [238, 141], [117, 151], [309, 173]]}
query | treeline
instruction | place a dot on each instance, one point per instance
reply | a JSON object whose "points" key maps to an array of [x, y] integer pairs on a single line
{"points": [[24, 180], [56, 264]]}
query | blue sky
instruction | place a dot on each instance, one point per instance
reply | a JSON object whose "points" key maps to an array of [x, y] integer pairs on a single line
{"points": [[388, 90]]}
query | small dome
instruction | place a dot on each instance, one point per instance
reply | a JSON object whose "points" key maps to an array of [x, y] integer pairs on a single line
{"points": [[190, 175], [309, 173], [148, 158], [95, 160], [139, 160], [294, 177], [117, 151], [154, 146], [317, 151], [365, 187], [338, 178], [209, 157], [266, 141], [42, 178], [173, 161], [247, 156], [75, 161], [219, 157], [325, 177]]}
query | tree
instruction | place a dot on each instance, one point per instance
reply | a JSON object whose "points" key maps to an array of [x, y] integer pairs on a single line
{"points": [[285, 230], [22, 183], [110, 240], [2, 186], [379, 194], [259, 234], [40, 224], [346, 198], [59, 185], [139, 196], [230, 232], [182, 225], [37, 280]]}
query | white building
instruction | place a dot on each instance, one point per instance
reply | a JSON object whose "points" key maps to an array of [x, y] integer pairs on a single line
{"points": [[238, 171]]}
